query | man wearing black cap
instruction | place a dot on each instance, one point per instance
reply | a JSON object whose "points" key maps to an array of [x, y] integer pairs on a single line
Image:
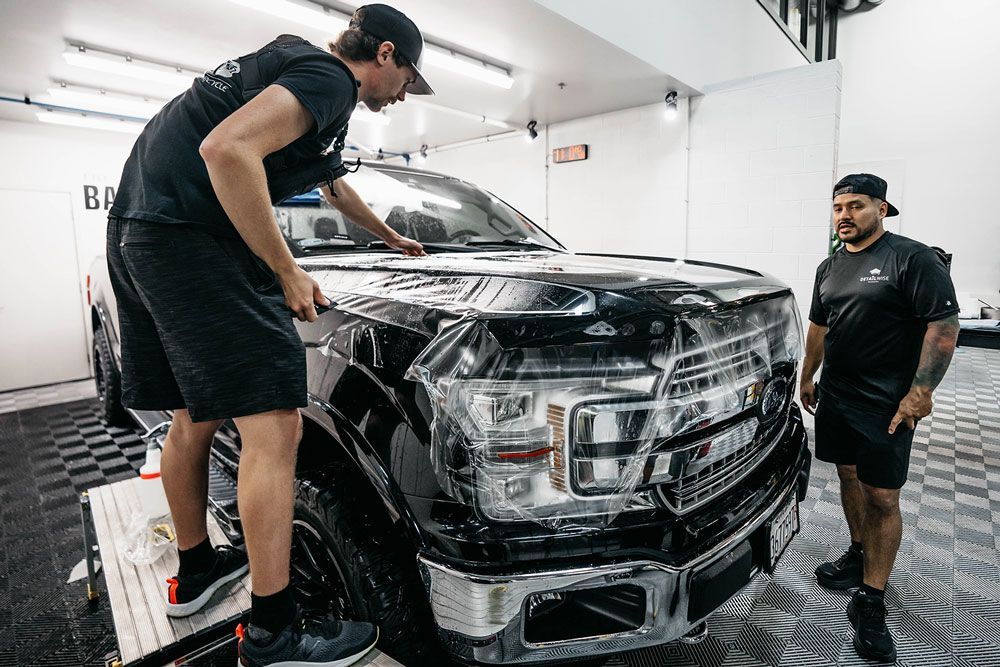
{"points": [[206, 286], [884, 322]]}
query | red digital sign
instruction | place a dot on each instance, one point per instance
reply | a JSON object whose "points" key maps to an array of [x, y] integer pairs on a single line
{"points": [[570, 153]]}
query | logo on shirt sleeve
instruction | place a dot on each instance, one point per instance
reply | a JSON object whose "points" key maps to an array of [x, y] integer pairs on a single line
{"points": [[227, 69], [217, 77]]}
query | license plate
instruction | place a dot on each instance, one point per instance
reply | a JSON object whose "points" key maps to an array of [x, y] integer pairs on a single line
{"points": [[781, 529]]}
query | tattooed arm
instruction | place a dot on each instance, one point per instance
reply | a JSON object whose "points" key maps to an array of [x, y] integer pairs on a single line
{"points": [[935, 355]]}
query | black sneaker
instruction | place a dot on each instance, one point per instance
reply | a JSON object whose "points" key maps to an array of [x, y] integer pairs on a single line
{"points": [[848, 571], [307, 642], [186, 595], [872, 639]]}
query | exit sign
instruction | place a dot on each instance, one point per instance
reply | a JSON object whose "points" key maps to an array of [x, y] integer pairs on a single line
{"points": [[570, 153]]}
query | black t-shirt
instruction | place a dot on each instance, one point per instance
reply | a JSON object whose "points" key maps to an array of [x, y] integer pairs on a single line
{"points": [[165, 179], [876, 304]]}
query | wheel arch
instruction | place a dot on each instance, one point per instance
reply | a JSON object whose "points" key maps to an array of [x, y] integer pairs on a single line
{"points": [[327, 436]]}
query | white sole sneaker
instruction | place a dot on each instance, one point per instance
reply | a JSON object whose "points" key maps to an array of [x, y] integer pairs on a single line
{"points": [[342, 662], [187, 608]]}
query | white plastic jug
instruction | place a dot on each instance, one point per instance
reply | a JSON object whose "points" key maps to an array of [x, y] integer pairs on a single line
{"points": [[151, 494]]}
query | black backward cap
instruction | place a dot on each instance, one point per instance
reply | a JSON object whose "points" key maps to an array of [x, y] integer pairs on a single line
{"points": [[391, 25], [865, 184]]}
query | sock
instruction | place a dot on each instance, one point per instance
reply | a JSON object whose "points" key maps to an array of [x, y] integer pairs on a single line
{"points": [[197, 559], [273, 612], [857, 546], [871, 590]]}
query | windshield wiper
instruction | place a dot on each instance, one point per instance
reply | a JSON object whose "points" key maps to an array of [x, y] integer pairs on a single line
{"points": [[436, 247], [521, 243], [379, 245]]}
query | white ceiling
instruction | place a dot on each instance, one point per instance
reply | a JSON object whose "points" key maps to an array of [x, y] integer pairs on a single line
{"points": [[540, 48]]}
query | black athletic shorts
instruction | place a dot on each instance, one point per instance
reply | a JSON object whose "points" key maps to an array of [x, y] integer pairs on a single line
{"points": [[203, 324], [847, 435]]}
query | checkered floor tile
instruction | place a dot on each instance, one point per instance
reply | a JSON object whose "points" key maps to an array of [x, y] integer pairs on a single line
{"points": [[943, 596], [36, 397]]}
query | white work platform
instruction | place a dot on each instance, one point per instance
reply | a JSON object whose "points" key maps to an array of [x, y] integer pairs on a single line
{"points": [[137, 593]]}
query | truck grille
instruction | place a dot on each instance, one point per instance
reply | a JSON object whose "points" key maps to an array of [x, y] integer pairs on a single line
{"points": [[730, 358], [714, 465], [728, 382]]}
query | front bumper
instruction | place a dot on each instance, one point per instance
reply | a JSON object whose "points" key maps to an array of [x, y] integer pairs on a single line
{"points": [[485, 619]]}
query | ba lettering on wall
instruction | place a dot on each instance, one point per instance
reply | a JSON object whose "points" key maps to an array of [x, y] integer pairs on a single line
{"points": [[98, 197]]}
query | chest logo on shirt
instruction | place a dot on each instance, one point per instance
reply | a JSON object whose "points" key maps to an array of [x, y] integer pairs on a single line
{"points": [[874, 276]]}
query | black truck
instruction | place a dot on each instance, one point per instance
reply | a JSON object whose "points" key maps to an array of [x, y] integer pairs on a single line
{"points": [[517, 454]]}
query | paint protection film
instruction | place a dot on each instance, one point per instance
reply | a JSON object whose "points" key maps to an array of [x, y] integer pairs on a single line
{"points": [[564, 435]]}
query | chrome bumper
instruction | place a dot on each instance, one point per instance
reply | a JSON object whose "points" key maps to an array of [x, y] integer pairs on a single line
{"points": [[481, 618]]}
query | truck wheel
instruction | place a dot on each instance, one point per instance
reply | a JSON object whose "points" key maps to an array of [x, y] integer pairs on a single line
{"points": [[348, 561], [109, 383]]}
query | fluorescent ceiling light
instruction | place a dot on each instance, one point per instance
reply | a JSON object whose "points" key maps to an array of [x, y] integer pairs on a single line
{"points": [[363, 115], [331, 21], [178, 79], [96, 100], [90, 122], [419, 102], [452, 62], [306, 13]]}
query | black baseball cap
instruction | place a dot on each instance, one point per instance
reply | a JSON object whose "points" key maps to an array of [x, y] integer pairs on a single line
{"points": [[865, 184], [391, 25]]}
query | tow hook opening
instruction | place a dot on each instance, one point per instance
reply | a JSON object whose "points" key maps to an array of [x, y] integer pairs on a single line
{"points": [[568, 615]]}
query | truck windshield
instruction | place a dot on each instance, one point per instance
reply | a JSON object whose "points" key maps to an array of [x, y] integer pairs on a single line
{"points": [[439, 211]]}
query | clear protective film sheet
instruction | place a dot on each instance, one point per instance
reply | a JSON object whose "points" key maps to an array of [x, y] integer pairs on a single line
{"points": [[564, 430], [563, 435]]}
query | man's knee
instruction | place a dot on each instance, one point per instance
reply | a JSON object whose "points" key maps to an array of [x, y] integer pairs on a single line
{"points": [[882, 501], [278, 429]]}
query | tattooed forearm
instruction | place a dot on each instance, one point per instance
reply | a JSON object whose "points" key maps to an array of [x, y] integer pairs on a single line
{"points": [[936, 353]]}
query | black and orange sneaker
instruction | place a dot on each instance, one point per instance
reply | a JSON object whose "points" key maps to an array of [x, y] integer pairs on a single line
{"points": [[186, 595], [308, 642]]}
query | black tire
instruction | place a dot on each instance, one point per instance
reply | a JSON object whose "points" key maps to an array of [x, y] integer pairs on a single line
{"points": [[373, 574], [109, 383]]}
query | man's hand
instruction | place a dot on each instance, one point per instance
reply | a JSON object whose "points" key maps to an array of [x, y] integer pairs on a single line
{"points": [[807, 396], [408, 246], [915, 405], [302, 293]]}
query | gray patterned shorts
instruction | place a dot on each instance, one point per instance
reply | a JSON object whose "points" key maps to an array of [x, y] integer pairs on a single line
{"points": [[203, 324]]}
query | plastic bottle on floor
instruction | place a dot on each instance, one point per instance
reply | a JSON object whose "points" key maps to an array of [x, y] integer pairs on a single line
{"points": [[151, 494]]}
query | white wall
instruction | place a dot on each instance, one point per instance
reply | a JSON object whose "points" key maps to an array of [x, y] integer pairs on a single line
{"points": [[627, 197], [763, 156], [921, 99], [55, 159], [699, 42]]}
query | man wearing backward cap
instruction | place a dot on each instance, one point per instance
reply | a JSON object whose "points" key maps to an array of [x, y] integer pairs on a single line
{"points": [[884, 323]]}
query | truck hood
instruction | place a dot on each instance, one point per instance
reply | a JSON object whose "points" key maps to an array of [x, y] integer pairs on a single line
{"points": [[635, 275], [597, 295]]}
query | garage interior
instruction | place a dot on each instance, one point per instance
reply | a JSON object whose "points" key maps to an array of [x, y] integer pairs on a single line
{"points": [[710, 131]]}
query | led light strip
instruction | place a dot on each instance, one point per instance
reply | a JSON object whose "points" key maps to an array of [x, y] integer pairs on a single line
{"points": [[102, 61], [415, 101], [100, 100], [320, 17], [306, 13], [467, 67]]}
